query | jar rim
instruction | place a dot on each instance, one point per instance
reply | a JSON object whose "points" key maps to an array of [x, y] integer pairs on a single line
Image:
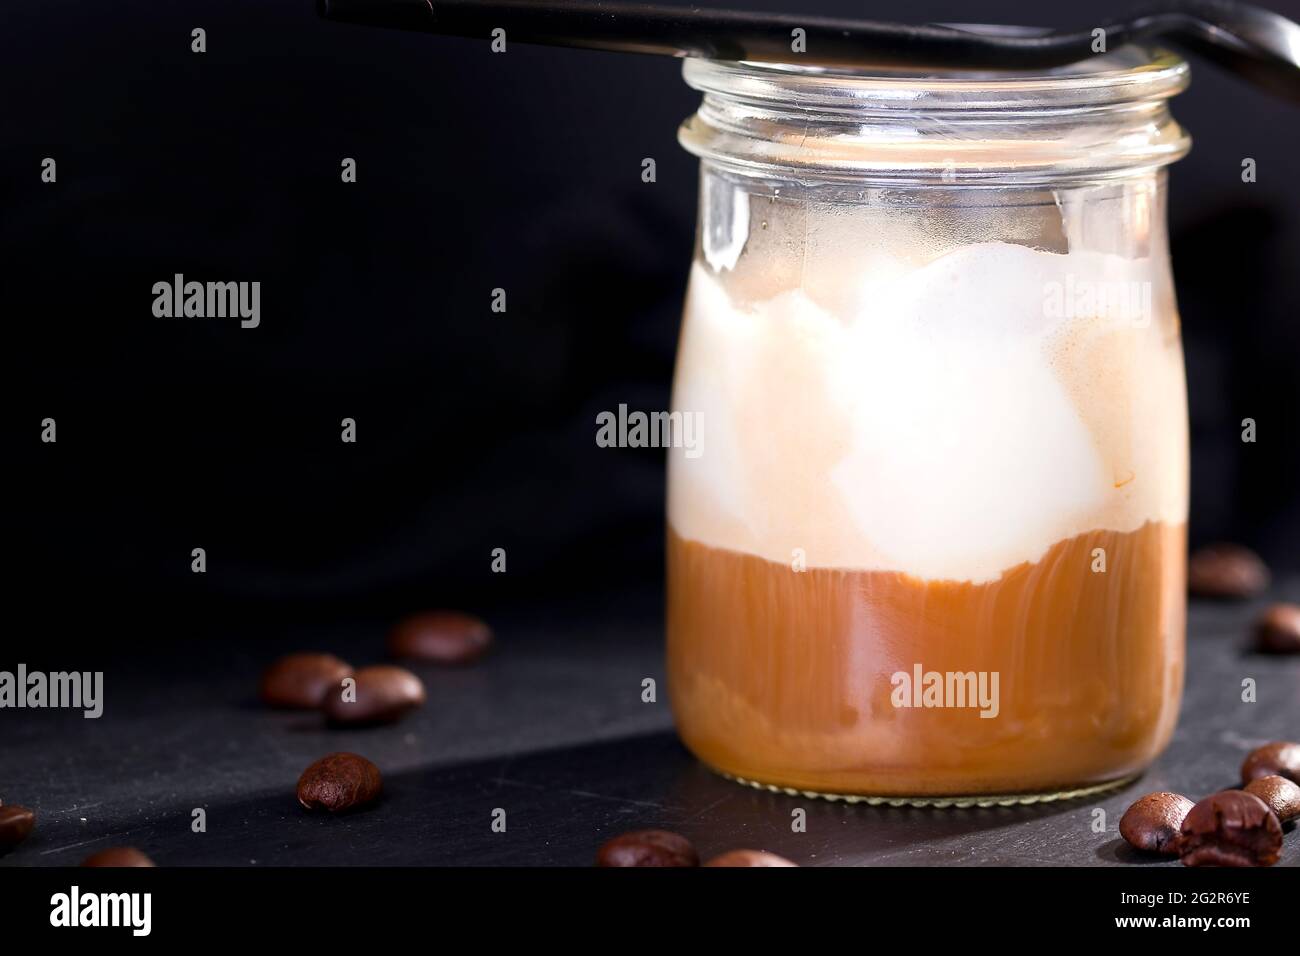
{"points": [[1107, 117], [1130, 74]]}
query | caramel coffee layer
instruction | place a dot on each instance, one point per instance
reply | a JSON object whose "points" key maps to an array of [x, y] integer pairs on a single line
{"points": [[793, 677]]}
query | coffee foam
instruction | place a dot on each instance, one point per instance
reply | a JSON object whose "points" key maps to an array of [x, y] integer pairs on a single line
{"points": [[937, 420]]}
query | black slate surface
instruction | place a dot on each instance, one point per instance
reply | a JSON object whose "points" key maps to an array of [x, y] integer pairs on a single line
{"points": [[552, 729]]}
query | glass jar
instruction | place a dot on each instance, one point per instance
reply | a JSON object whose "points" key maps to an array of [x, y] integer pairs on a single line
{"points": [[930, 547]]}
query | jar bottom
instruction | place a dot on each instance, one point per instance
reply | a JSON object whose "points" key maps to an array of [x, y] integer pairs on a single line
{"points": [[982, 800]]}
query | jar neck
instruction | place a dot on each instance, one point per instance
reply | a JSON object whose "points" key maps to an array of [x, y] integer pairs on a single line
{"points": [[1106, 121]]}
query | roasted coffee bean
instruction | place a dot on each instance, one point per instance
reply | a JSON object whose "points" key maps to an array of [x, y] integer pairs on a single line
{"points": [[445, 637], [1231, 828], [1226, 571], [1154, 822], [381, 695], [1280, 758], [749, 858], [300, 681], [1281, 795], [15, 823], [648, 848], [339, 782], [118, 856], [1278, 630]]}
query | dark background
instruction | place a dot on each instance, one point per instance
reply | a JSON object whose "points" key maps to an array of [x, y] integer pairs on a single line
{"points": [[475, 429]]}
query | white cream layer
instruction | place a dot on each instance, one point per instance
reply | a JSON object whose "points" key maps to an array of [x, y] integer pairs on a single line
{"points": [[946, 420]]}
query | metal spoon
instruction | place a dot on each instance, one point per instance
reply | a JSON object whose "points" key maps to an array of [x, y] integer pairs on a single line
{"points": [[1260, 45]]}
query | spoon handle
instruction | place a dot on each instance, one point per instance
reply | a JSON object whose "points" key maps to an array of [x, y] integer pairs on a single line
{"points": [[1256, 43], [714, 34]]}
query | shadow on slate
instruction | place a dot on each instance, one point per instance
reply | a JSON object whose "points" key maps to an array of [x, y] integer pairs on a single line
{"points": [[560, 806]]}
